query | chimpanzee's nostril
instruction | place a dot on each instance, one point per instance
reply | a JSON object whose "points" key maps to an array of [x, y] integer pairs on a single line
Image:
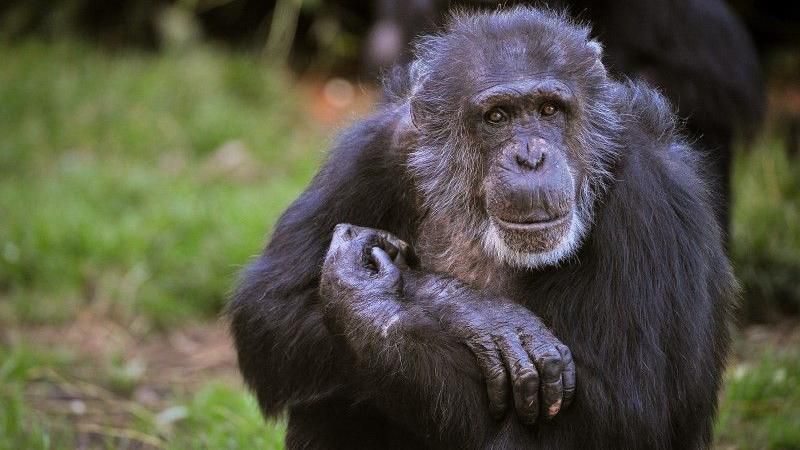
{"points": [[524, 163], [527, 164], [539, 161]]}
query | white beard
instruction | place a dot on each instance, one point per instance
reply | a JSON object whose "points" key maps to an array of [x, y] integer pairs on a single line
{"points": [[496, 247]]}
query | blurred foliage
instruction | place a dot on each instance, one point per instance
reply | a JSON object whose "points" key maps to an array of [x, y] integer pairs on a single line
{"points": [[114, 178], [766, 231], [323, 35], [115, 23], [760, 406]]}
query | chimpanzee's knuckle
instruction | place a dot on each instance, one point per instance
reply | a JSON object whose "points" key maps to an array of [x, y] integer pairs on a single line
{"points": [[526, 372], [566, 355], [543, 348], [551, 367], [547, 353], [479, 344], [495, 373], [344, 230], [392, 280]]}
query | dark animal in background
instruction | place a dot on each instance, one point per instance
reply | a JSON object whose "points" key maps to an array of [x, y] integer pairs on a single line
{"points": [[516, 252], [696, 51]]}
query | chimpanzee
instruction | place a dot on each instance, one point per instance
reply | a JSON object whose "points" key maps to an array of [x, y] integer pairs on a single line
{"points": [[518, 251], [696, 51]]}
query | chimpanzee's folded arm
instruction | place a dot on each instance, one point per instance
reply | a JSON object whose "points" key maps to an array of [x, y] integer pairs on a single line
{"points": [[286, 353]]}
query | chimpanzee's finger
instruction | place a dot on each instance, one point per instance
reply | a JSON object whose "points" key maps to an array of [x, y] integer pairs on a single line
{"points": [[494, 372], [524, 378], [366, 240], [405, 256], [344, 251], [568, 376], [386, 267], [344, 231], [382, 261], [550, 367]]}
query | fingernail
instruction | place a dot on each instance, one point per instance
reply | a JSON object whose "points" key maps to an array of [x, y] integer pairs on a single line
{"points": [[554, 408]]}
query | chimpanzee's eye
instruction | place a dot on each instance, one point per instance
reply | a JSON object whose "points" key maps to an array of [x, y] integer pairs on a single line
{"points": [[548, 109], [496, 116]]}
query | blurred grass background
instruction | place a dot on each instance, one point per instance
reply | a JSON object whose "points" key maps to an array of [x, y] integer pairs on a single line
{"points": [[133, 186]]}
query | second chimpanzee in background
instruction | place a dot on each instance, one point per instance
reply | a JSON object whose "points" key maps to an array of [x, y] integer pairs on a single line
{"points": [[697, 51], [517, 251]]}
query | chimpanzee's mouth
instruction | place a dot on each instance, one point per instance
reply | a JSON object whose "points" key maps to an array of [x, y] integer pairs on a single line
{"points": [[532, 223]]}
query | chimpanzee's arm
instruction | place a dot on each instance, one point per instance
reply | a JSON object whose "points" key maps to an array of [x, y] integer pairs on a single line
{"points": [[285, 352], [431, 382], [407, 332]]}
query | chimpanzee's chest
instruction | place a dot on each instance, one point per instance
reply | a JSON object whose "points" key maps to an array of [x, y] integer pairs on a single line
{"points": [[442, 251]]}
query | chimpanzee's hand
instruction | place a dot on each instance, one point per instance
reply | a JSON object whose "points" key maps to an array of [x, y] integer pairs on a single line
{"points": [[361, 280], [362, 285], [516, 352]]}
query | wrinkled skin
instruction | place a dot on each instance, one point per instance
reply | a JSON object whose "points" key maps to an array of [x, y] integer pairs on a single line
{"points": [[365, 285]]}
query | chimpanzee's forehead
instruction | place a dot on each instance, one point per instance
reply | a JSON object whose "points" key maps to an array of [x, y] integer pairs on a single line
{"points": [[519, 56], [482, 50], [509, 58], [514, 50]]}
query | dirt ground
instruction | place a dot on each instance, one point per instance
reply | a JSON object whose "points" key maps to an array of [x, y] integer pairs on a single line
{"points": [[119, 377]]}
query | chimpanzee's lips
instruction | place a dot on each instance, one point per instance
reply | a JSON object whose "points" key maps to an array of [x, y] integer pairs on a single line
{"points": [[532, 224]]}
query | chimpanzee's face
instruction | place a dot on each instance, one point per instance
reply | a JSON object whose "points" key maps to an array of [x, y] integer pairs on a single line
{"points": [[531, 173], [516, 132]]}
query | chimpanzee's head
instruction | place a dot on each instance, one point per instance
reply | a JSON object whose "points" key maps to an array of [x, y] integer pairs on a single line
{"points": [[516, 131]]}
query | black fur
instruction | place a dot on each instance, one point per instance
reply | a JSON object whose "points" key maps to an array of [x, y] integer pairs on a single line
{"points": [[642, 303]]}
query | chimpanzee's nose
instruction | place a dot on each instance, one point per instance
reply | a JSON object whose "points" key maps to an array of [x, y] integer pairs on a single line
{"points": [[530, 159]]}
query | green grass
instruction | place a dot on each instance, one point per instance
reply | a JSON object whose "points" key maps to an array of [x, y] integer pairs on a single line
{"points": [[109, 192], [216, 416], [112, 198], [220, 417], [761, 405], [20, 426]]}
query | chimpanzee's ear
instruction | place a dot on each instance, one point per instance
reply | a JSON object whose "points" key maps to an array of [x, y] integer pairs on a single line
{"points": [[418, 74], [405, 130], [596, 48]]}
